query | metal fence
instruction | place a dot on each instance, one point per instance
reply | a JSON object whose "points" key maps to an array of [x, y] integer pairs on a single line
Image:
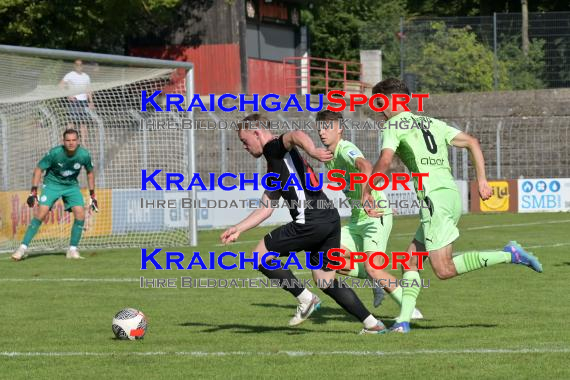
{"points": [[514, 147], [455, 54]]}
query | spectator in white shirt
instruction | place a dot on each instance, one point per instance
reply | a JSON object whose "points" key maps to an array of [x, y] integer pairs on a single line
{"points": [[81, 99]]}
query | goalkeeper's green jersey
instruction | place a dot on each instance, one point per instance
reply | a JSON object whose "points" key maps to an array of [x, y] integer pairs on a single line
{"points": [[345, 156], [62, 169], [423, 150]]}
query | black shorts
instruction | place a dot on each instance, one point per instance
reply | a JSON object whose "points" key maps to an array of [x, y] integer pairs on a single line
{"points": [[295, 237], [77, 110]]}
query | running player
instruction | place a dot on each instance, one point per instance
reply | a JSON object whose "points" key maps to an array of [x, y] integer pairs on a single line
{"points": [[312, 230], [424, 150], [363, 233]]}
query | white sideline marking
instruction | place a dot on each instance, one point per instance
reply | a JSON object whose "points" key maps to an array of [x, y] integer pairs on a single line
{"points": [[296, 353], [411, 234], [518, 225]]}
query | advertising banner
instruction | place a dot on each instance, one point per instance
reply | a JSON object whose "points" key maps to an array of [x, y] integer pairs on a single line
{"points": [[504, 198], [15, 215], [544, 194]]}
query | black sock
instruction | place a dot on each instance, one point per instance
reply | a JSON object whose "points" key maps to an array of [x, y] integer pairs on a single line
{"points": [[295, 288], [349, 301]]}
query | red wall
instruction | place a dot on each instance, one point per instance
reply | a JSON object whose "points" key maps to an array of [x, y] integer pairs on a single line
{"points": [[266, 76], [217, 67]]}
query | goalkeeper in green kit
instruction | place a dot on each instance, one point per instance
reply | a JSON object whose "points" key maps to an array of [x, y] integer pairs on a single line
{"points": [[424, 150], [62, 165]]}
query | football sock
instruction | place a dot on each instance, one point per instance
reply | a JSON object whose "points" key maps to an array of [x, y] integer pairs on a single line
{"points": [[396, 295], [359, 271], [31, 231], [409, 296], [305, 297], [370, 322], [286, 278], [362, 271], [471, 261], [76, 231], [348, 300]]}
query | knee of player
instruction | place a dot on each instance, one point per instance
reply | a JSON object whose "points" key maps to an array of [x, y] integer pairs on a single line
{"points": [[444, 272], [325, 283], [266, 260], [326, 286], [79, 216]]}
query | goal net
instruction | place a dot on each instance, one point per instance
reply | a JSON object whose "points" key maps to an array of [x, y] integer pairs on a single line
{"points": [[35, 109]]}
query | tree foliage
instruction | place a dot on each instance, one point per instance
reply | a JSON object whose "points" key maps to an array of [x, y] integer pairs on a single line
{"points": [[95, 25], [521, 72], [454, 60], [339, 29], [442, 58]]}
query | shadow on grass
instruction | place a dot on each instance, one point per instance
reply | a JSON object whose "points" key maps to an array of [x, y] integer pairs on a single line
{"points": [[37, 255], [326, 313], [564, 263], [239, 328], [42, 254], [323, 315], [466, 326]]}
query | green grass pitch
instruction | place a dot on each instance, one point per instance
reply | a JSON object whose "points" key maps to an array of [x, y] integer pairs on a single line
{"points": [[501, 322]]}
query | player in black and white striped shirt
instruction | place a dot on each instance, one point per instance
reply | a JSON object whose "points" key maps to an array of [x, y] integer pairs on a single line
{"points": [[314, 230]]}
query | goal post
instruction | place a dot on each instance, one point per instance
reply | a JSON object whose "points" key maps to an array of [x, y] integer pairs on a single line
{"points": [[36, 106]]}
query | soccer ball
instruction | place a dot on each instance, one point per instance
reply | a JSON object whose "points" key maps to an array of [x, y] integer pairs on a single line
{"points": [[129, 324]]}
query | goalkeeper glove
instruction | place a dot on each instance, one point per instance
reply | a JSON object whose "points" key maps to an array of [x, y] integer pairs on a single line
{"points": [[33, 197], [93, 201]]}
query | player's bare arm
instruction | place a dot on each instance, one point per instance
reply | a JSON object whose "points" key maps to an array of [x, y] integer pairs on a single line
{"points": [[91, 180], [36, 177], [365, 167], [91, 184], [381, 166], [303, 141], [90, 99], [463, 140], [252, 220]]}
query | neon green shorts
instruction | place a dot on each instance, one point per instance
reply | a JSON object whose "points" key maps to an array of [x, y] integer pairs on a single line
{"points": [[71, 195], [369, 235], [438, 226]]}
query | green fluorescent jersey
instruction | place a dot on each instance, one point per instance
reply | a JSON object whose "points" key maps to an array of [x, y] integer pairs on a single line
{"points": [[423, 150], [62, 169], [345, 156]]}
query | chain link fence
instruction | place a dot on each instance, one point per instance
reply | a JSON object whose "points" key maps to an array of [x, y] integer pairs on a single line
{"points": [[514, 147], [456, 54]]}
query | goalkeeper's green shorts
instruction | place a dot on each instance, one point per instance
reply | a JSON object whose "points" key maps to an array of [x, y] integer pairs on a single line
{"points": [[71, 195], [438, 226]]}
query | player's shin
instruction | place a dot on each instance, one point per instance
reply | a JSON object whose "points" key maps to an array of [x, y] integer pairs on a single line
{"points": [[349, 301], [287, 279], [411, 284], [471, 261], [396, 294], [31, 231], [76, 231]]}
